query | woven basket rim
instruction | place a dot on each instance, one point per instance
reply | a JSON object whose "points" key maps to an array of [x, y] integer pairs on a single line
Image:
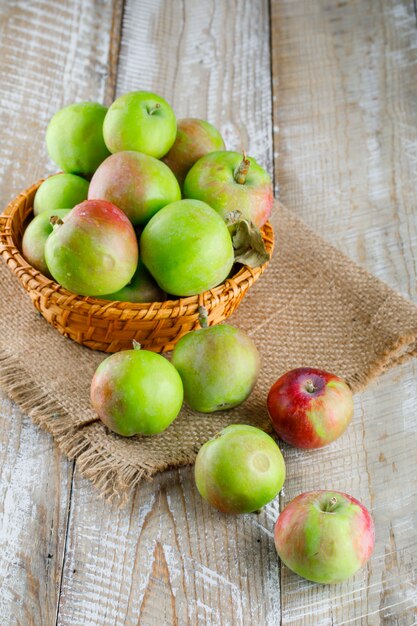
{"points": [[37, 284]]}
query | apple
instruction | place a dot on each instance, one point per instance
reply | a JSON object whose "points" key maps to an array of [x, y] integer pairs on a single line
{"points": [[187, 248], [74, 138], [142, 288], [240, 470], [194, 139], [94, 250], [136, 392], [140, 121], [324, 536], [61, 191], [35, 236], [229, 183], [218, 366], [310, 408], [137, 183]]}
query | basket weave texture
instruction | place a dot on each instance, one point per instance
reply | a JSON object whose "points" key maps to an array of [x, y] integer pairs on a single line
{"points": [[111, 326]]}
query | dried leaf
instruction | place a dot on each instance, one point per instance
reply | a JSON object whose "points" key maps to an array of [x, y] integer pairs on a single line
{"points": [[248, 244]]}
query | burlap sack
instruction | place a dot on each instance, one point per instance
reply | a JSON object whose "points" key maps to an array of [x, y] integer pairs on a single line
{"points": [[313, 306]]}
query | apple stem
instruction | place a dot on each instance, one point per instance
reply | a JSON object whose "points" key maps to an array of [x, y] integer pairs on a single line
{"points": [[242, 170], [54, 220], [330, 506], [136, 345], [155, 108], [310, 388], [203, 316]]}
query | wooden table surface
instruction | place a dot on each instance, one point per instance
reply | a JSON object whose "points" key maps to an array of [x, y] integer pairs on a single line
{"points": [[324, 94]]}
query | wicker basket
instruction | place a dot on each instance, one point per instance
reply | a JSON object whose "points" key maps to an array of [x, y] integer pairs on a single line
{"points": [[111, 326]]}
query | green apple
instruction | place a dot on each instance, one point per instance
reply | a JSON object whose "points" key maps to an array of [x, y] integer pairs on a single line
{"points": [[94, 250], [229, 183], [136, 392], [61, 191], [74, 138], [142, 288], [324, 536], [137, 183], [187, 248], [218, 366], [140, 121], [35, 236], [194, 139], [240, 470]]}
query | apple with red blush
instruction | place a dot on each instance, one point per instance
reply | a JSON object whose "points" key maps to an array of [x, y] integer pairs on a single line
{"points": [[229, 182], [310, 408], [194, 139], [324, 536]]}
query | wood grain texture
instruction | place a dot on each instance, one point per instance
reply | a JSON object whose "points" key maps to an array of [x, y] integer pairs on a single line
{"points": [[344, 115], [170, 559], [51, 54], [345, 103]]}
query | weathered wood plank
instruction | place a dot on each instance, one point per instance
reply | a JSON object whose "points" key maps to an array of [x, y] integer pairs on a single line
{"points": [[50, 55], [344, 102], [170, 559]]}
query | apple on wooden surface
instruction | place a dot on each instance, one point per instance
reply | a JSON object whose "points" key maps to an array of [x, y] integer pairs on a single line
{"points": [[240, 470], [194, 139], [136, 183], [324, 536], [136, 392], [93, 250], [228, 182], [140, 121], [310, 408]]}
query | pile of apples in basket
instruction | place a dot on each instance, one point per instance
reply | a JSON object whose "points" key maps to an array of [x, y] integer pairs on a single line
{"points": [[148, 208]]}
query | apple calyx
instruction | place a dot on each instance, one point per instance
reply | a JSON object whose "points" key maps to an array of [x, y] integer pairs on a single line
{"points": [[242, 169], [203, 316], [310, 387], [54, 220], [136, 345]]}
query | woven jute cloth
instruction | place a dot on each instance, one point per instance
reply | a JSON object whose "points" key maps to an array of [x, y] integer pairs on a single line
{"points": [[313, 307]]}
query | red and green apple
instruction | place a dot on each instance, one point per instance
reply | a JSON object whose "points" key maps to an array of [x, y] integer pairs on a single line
{"points": [[136, 392], [324, 536], [310, 408]]}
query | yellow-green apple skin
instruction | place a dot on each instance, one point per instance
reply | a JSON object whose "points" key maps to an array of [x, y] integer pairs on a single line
{"points": [[35, 236], [310, 408], [60, 191], [137, 183], [94, 251], [240, 470], [187, 248], [194, 139], [136, 392], [74, 138], [142, 288], [218, 365], [140, 121], [324, 536], [213, 179]]}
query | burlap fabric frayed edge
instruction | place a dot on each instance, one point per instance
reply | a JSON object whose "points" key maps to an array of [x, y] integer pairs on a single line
{"points": [[116, 480]]}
